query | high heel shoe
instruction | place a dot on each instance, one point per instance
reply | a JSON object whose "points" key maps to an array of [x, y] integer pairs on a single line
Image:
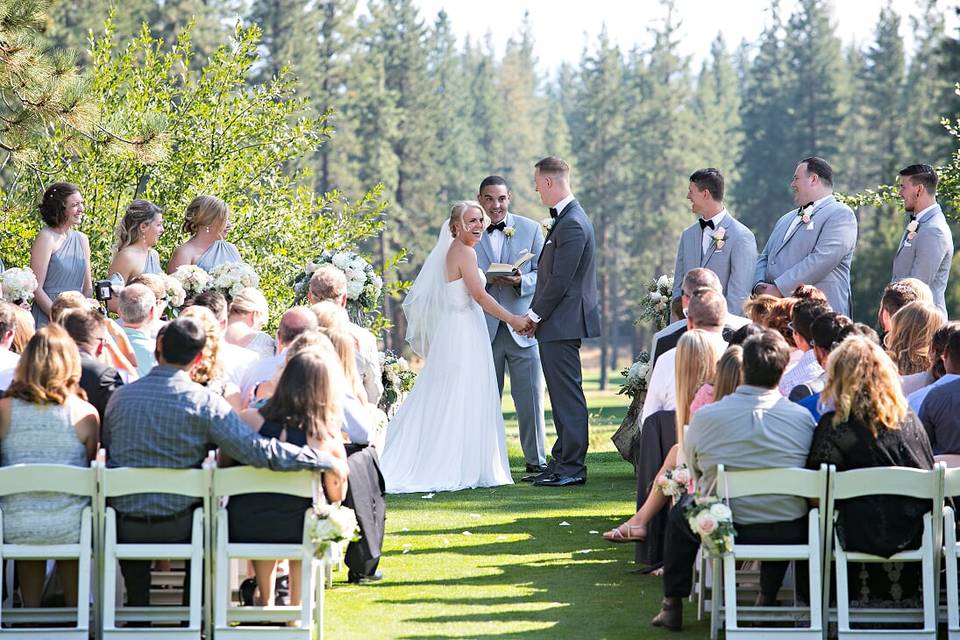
{"points": [[625, 533]]}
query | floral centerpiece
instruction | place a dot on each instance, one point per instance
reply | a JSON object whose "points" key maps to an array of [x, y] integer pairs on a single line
{"points": [[676, 482], [18, 285], [655, 306], [712, 520], [398, 379], [364, 286], [230, 277], [330, 525], [635, 378], [192, 278]]}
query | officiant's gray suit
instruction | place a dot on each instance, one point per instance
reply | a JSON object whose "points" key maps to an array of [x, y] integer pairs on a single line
{"points": [[566, 302], [734, 262], [818, 253], [511, 350], [928, 256]]}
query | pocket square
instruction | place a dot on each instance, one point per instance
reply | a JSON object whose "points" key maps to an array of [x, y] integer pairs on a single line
{"points": [[810, 226], [548, 242]]}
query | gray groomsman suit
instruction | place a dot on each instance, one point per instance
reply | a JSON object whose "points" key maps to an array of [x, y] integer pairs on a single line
{"points": [[928, 256], [517, 352], [818, 254], [566, 302], [734, 263]]}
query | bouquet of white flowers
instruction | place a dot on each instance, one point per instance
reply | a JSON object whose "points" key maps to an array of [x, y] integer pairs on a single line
{"points": [[230, 277], [712, 520], [176, 295], [635, 381], [676, 482], [192, 278], [18, 285], [655, 305], [331, 524], [364, 286], [398, 379]]}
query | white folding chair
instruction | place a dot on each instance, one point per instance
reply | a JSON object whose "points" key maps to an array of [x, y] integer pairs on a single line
{"points": [[194, 483], [77, 481], [800, 483], [951, 554], [228, 619], [894, 481]]}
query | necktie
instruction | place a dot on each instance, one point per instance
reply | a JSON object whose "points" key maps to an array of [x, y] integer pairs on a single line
{"points": [[553, 212], [705, 223], [499, 225]]}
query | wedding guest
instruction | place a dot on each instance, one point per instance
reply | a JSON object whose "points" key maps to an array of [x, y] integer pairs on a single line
{"points": [[207, 220], [946, 367], [872, 426], [752, 428], [8, 358], [808, 292], [236, 361], [88, 330], [744, 333], [911, 335], [60, 256], [828, 331], [208, 372], [117, 352], [23, 331], [247, 313], [926, 246], [138, 308], [43, 419], [812, 244], [345, 347], [716, 241], [136, 433], [137, 235], [759, 307], [807, 368], [158, 287], [728, 377], [330, 315], [295, 321], [899, 294]]}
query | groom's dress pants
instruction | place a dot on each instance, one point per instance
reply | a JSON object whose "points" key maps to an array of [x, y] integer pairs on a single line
{"points": [[526, 388], [564, 376]]}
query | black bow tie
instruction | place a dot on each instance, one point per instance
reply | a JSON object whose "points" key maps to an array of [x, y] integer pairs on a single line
{"points": [[499, 225], [553, 212], [804, 207], [913, 217], [705, 223]]}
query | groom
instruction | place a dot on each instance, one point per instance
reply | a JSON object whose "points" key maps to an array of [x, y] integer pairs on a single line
{"points": [[564, 312]]}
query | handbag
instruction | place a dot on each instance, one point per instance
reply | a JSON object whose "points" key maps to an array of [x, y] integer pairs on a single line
{"points": [[626, 438]]}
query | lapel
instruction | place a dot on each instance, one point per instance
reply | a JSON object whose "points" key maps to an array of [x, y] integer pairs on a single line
{"points": [[556, 221], [506, 252], [692, 245], [927, 219], [712, 248], [800, 226], [486, 246]]}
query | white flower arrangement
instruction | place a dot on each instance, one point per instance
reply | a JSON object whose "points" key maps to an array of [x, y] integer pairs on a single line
{"points": [[712, 520], [18, 284], [720, 238], [332, 524], [176, 294], [231, 277], [655, 305], [912, 230], [192, 278], [547, 224], [398, 379], [364, 285], [508, 232], [635, 377]]}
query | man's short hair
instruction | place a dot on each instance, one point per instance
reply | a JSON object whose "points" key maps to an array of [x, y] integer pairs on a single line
{"points": [[707, 309], [328, 283], [136, 302], [820, 167], [553, 166], [295, 321], [700, 278], [491, 181], [215, 301], [922, 174], [899, 294], [709, 179], [153, 282], [82, 324], [181, 340], [744, 333], [825, 330], [804, 313], [765, 357], [8, 318]]}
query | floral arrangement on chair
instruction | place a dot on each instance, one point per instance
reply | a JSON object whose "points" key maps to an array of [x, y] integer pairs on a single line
{"points": [[677, 482], [635, 378], [712, 520], [332, 524], [398, 379]]}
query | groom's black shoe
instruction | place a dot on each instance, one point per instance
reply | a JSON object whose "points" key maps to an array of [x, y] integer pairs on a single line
{"points": [[556, 480], [533, 477], [536, 468]]}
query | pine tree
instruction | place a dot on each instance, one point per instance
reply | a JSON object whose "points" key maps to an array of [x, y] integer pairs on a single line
{"points": [[883, 81], [925, 89], [717, 108]]}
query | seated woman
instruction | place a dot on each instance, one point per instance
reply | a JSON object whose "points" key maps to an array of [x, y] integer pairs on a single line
{"points": [[117, 351], [911, 335], [305, 410], [247, 314], [207, 220], [137, 235], [24, 330], [697, 357], [60, 256], [44, 420], [209, 372], [871, 426]]}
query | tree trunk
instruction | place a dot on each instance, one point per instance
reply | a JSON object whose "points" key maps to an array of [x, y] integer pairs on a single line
{"points": [[604, 312]]}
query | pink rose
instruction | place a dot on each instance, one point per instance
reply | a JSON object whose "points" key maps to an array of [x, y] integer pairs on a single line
{"points": [[706, 523]]}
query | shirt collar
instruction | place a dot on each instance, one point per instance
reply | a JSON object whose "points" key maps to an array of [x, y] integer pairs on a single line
{"points": [[167, 371], [560, 206], [751, 390], [925, 212], [718, 218]]}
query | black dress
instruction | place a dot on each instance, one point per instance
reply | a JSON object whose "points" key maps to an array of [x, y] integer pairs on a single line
{"points": [[879, 525], [269, 517]]}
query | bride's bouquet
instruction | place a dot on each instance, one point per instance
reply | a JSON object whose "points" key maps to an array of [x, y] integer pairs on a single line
{"points": [[332, 524], [364, 286], [655, 306], [230, 277], [398, 379], [18, 285]]}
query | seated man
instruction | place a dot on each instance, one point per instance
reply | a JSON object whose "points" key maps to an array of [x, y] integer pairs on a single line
{"points": [[137, 432], [295, 322], [234, 360], [808, 367], [138, 309], [89, 330], [752, 428], [946, 363]]}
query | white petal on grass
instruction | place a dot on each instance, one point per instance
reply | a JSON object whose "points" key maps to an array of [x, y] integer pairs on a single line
{"points": [[475, 515], [467, 533], [594, 531], [427, 496], [583, 551], [564, 524]]}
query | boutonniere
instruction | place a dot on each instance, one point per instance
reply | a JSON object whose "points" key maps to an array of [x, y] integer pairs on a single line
{"points": [[912, 229], [508, 232], [546, 223], [719, 237], [805, 217]]}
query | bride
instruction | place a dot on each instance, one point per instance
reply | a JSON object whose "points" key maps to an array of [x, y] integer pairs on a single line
{"points": [[448, 433]]}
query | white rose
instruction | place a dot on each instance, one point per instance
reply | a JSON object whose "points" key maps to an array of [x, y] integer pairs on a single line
{"points": [[341, 260], [354, 289], [721, 511], [310, 268], [663, 282], [706, 523], [655, 296], [377, 281], [358, 264]]}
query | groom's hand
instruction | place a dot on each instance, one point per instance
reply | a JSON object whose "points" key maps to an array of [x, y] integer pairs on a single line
{"points": [[530, 329]]}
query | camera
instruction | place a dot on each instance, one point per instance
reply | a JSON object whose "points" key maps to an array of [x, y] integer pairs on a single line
{"points": [[103, 290]]}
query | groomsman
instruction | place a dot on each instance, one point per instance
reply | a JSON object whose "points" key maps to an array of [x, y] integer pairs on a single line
{"points": [[506, 239], [926, 247], [716, 241], [813, 244]]}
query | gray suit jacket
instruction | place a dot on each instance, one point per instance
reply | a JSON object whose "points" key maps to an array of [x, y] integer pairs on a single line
{"points": [[928, 256], [527, 236], [566, 297], [734, 264], [817, 254]]}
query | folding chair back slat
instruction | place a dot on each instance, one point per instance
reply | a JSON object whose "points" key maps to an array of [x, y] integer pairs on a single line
{"points": [[124, 481], [764, 482], [894, 481], [234, 481]]}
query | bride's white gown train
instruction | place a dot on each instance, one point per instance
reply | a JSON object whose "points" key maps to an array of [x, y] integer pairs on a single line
{"points": [[448, 433]]}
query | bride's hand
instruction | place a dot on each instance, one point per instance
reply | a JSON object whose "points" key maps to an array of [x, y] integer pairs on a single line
{"points": [[520, 324]]}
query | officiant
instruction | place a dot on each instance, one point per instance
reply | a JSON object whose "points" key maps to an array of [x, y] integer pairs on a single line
{"points": [[506, 240]]}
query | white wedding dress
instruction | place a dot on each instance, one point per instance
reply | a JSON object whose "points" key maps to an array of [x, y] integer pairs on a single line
{"points": [[448, 433]]}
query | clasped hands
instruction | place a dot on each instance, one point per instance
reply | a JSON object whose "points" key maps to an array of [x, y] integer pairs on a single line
{"points": [[524, 325], [769, 289]]}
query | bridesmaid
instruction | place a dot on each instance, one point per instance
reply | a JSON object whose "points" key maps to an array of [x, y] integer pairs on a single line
{"points": [[207, 219], [137, 235], [60, 256]]}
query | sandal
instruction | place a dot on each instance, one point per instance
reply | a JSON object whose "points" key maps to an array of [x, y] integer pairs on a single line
{"points": [[618, 535]]}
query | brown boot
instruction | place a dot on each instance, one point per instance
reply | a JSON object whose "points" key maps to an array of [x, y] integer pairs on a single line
{"points": [[671, 614]]}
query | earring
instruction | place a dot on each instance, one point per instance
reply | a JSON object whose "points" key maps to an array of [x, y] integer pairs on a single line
{"points": [[207, 228]]}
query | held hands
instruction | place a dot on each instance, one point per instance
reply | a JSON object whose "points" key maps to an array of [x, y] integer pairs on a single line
{"points": [[769, 289], [524, 326]]}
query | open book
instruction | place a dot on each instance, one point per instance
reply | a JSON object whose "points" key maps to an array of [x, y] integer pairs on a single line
{"points": [[500, 269]]}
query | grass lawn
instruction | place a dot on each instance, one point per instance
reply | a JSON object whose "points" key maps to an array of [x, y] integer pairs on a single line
{"points": [[514, 561]]}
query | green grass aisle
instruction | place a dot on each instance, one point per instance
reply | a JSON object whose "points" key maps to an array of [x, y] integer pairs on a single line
{"points": [[510, 562]]}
